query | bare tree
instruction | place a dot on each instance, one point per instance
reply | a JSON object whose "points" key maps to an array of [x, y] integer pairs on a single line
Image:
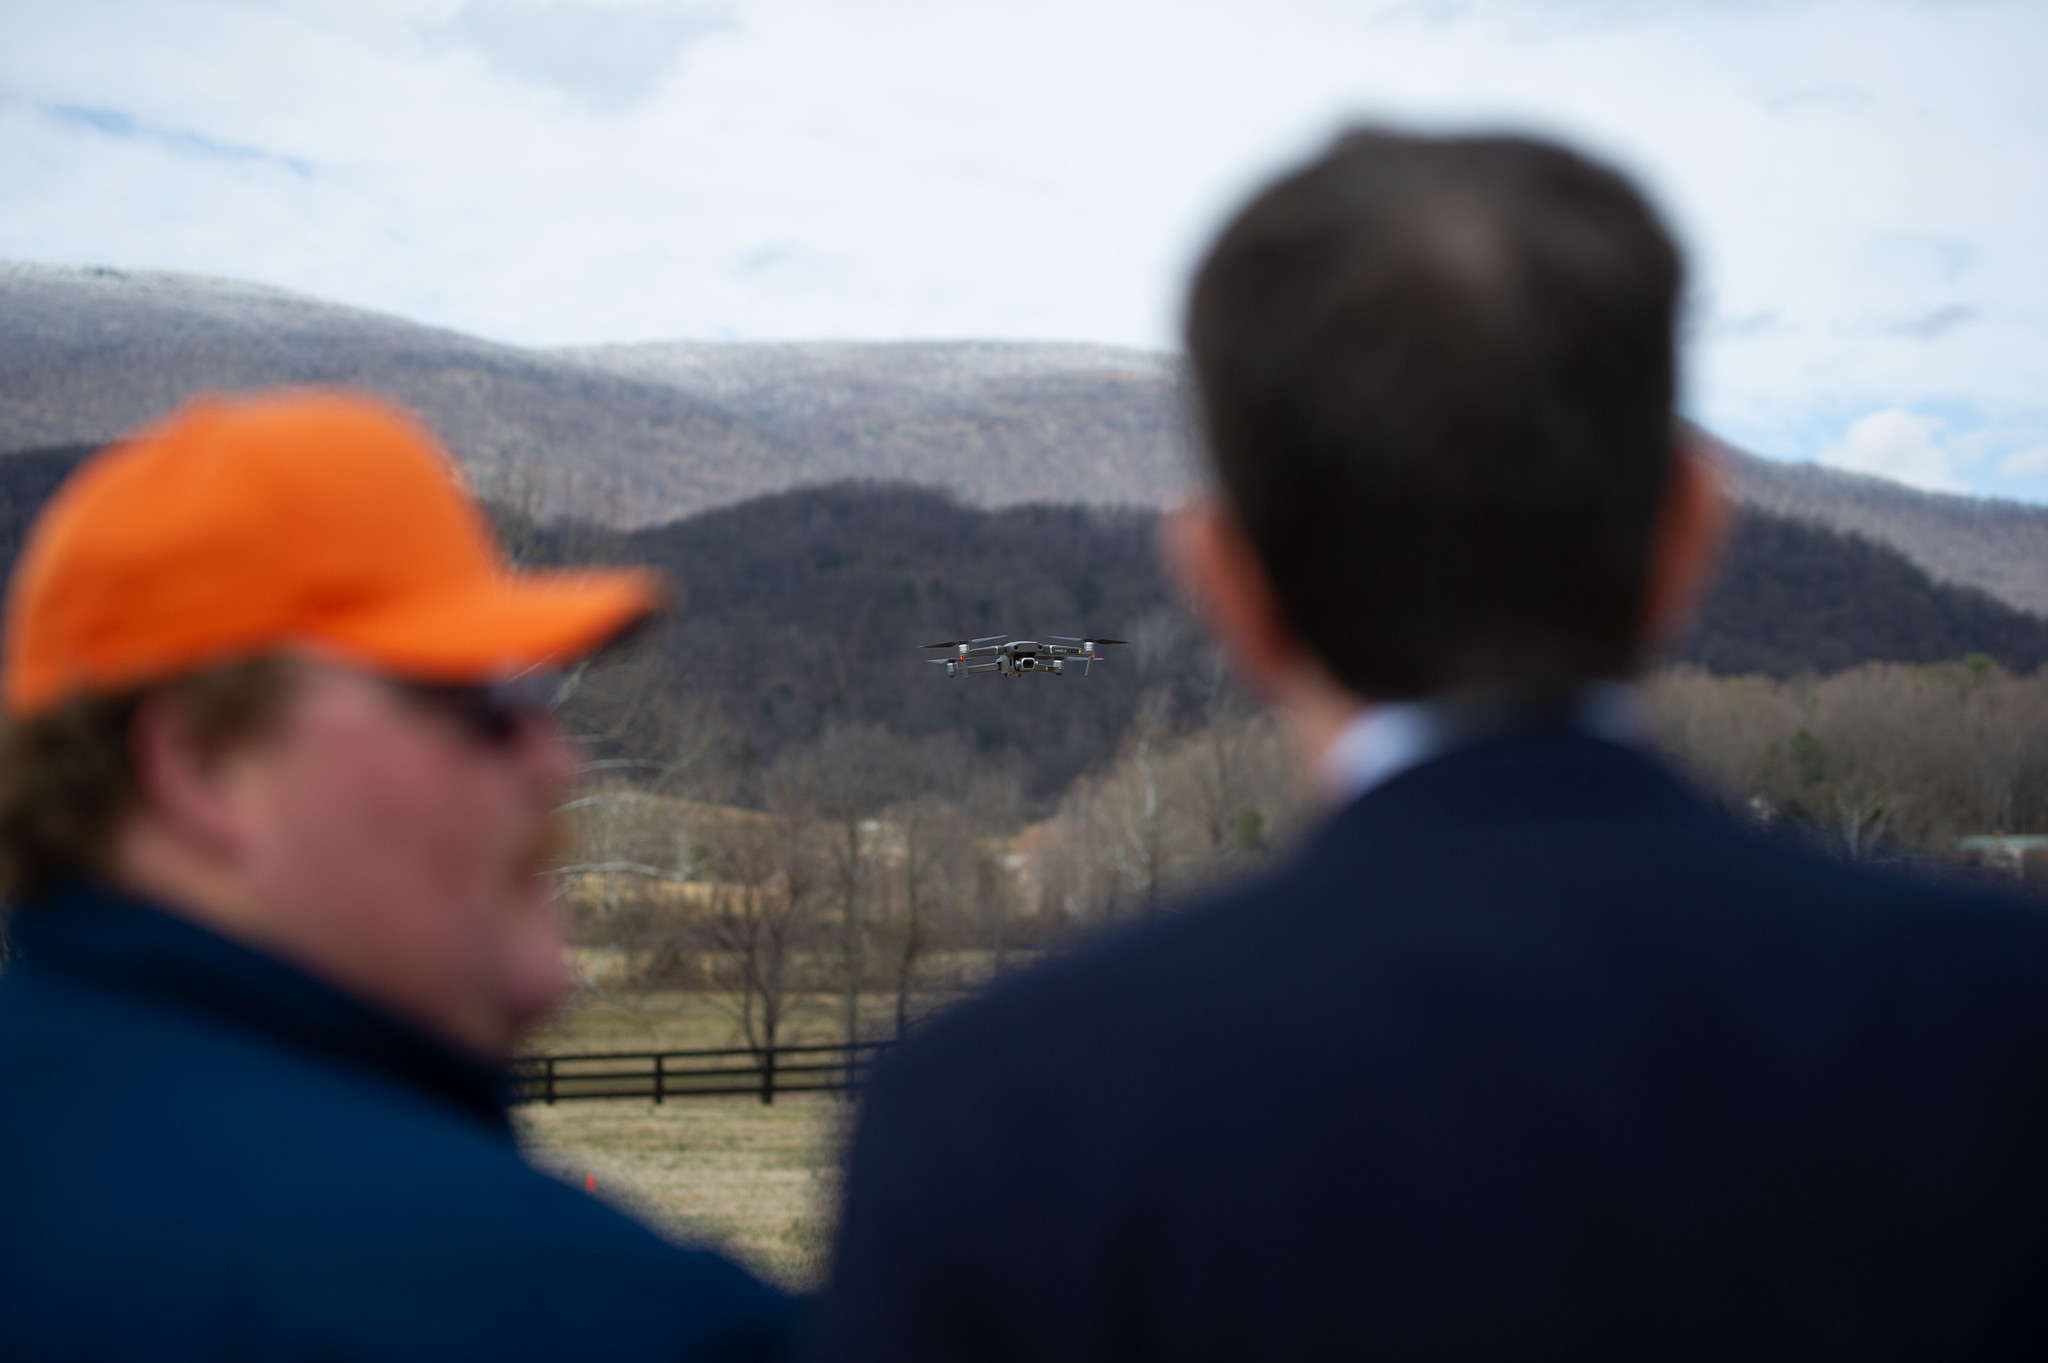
{"points": [[994, 806], [1146, 836], [933, 870], [621, 883], [763, 919], [544, 513], [843, 781], [1158, 818], [1880, 760]]}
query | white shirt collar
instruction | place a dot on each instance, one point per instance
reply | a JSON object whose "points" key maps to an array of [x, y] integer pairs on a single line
{"points": [[1384, 740]]}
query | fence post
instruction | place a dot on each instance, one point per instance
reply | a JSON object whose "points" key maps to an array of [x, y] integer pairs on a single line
{"points": [[768, 1075], [551, 1080], [658, 1065]]}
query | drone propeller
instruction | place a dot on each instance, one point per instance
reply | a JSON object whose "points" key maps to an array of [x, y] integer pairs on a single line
{"points": [[955, 643], [1072, 639]]}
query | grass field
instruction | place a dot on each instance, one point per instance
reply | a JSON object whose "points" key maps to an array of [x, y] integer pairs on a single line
{"points": [[757, 1181], [624, 1020]]}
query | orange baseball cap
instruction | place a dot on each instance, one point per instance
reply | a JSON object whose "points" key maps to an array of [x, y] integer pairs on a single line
{"points": [[321, 522]]}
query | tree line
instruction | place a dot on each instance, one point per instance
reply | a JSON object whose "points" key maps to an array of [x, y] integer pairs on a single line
{"points": [[1884, 762], [875, 869], [881, 876]]}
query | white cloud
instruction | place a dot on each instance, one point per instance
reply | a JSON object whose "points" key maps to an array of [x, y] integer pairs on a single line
{"points": [[1858, 182], [1900, 445], [2026, 462], [610, 57], [1933, 324]]}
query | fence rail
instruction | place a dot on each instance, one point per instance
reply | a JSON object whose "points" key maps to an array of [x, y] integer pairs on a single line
{"points": [[661, 1075]]}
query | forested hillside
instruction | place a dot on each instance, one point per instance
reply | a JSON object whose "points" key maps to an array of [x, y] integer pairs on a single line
{"points": [[809, 607], [1798, 597]]}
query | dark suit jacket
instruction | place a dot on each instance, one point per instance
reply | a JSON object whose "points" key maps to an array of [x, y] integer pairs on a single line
{"points": [[1527, 1053]]}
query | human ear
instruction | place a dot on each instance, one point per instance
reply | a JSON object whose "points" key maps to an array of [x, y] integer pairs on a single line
{"points": [[1211, 559], [1686, 545], [183, 787]]}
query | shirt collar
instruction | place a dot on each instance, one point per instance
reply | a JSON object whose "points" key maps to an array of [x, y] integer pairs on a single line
{"points": [[1386, 739], [114, 939]]}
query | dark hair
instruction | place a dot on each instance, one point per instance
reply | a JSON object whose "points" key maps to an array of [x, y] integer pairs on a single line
{"points": [[67, 776], [1436, 377]]}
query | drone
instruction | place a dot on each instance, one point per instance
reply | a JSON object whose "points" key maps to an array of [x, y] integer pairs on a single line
{"points": [[1018, 656]]}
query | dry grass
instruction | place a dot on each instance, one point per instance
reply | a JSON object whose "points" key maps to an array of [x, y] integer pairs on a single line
{"points": [[756, 1181], [650, 1020], [760, 1182]]}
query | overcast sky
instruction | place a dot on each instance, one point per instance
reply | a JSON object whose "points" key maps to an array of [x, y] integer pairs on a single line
{"points": [[1860, 183]]}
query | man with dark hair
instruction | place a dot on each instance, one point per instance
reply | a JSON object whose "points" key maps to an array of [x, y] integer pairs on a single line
{"points": [[277, 788], [1528, 1050]]}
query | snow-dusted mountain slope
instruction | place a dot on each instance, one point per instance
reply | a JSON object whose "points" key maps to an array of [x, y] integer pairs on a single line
{"points": [[646, 433]]}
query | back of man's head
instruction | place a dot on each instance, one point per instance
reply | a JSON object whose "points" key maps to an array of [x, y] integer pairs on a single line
{"points": [[1437, 382]]}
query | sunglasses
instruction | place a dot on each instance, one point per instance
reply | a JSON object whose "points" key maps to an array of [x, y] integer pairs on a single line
{"points": [[493, 713]]}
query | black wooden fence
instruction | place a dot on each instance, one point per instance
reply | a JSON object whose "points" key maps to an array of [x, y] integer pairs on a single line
{"points": [[662, 1075]]}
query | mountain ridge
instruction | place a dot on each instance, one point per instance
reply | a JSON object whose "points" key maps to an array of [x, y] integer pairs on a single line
{"points": [[642, 434]]}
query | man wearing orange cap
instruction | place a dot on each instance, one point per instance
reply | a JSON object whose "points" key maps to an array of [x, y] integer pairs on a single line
{"points": [[276, 789]]}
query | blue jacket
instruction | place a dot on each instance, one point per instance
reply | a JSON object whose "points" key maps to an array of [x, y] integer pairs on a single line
{"points": [[1528, 1053], [207, 1154]]}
